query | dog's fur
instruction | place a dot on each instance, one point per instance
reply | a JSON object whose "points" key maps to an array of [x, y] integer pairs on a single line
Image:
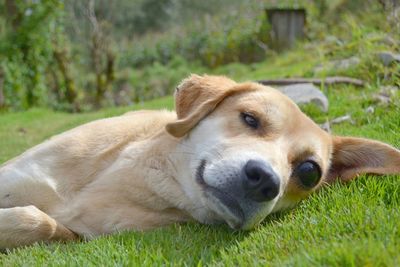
{"points": [[142, 170]]}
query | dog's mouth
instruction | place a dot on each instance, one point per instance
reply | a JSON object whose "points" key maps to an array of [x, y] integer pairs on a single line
{"points": [[221, 202]]}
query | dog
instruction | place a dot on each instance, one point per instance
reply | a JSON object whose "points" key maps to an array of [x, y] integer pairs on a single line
{"points": [[232, 152]]}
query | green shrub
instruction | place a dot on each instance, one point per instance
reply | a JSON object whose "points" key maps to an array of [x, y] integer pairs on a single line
{"points": [[26, 52], [239, 35], [158, 80]]}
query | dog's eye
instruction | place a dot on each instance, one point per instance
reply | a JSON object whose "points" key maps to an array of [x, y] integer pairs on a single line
{"points": [[250, 120], [309, 173]]}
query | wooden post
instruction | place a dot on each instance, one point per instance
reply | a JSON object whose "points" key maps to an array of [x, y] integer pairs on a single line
{"points": [[2, 98], [287, 26]]}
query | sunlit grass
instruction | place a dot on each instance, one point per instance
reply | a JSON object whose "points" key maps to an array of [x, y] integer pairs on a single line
{"points": [[356, 224]]}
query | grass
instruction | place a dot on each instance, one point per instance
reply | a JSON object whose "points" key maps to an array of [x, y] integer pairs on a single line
{"points": [[356, 224], [19, 131]]}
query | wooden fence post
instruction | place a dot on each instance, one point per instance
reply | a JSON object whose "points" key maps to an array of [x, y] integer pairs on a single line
{"points": [[2, 98], [287, 26]]}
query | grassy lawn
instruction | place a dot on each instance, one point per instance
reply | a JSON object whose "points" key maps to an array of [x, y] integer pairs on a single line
{"points": [[356, 224]]}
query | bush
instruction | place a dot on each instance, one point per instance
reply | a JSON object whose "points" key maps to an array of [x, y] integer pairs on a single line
{"points": [[26, 52], [158, 80], [239, 35]]}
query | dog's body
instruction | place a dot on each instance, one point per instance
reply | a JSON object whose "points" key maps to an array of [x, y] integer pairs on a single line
{"points": [[210, 162], [108, 175]]}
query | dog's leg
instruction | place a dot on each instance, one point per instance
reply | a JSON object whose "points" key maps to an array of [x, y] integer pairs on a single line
{"points": [[21, 226]]}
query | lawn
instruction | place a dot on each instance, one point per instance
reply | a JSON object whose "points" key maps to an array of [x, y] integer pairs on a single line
{"points": [[354, 224]]}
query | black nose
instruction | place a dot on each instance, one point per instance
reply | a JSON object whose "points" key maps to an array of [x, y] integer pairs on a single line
{"points": [[260, 182]]}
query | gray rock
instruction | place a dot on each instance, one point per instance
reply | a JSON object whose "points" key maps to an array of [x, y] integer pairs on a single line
{"points": [[389, 41], [305, 93], [382, 99], [385, 94], [342, 119], [369, 109], [388, 58], [389, 90], [331, 39], [320, 68], [346, 63], [327, 125], [341, 64], [381, 38]]}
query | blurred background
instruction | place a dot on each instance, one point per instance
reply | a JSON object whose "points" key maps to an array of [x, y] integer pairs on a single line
{"points": [[76, 55]]}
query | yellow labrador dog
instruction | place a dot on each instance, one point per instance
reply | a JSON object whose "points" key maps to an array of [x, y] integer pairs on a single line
{"points": [[232, 152]]}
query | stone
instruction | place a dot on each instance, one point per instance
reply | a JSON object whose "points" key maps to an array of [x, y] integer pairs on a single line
{"points": [[320, 68], [370, 110], [381, 99], [341, 64], [389, 41], [381, 38], [388, 58], [326, 126], [389, 90], [305, 93], [346, 63], [385, 94], [342, 119], [331, 39]]}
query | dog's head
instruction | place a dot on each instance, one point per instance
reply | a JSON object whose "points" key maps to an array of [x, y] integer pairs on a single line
{"points": [[253, 152]]}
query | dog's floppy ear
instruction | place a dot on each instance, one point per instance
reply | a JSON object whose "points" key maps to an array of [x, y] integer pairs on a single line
{"points": [[353, 156], [196, 97]]}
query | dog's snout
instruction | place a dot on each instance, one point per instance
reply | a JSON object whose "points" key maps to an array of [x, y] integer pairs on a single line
{"points": [[259, 181]]}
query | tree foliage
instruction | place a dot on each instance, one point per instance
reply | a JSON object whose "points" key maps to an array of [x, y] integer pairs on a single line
{"points": [[26, 49]]}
